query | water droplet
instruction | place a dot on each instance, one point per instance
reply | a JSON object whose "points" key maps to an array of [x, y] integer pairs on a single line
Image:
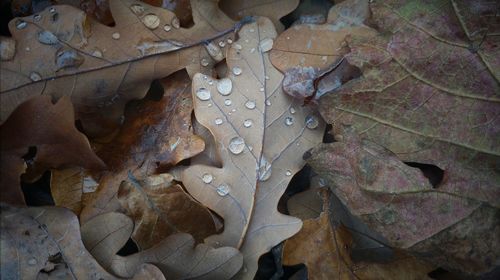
{"points": [[261, 89], [34, 76], [264, 169], [28, 49], [237, 47], [229, 41], [250, 105], [68, 58], [322, 182], [236, 145], [223, 189], [97, 53], [252, 50], [211, 82], [250, 148], [292, 110], [288, 173], [209, 104], [137, 9], [21, 24], [233, 110], [32, 261], [207, 178], [115, 35], [176, 23], [268, 103], [225, 86], [237, 71], [203, 94], [52, 10], [37, 17], [289, 121], [266, 45], [246, 41], [204, 62], [228, 102], [247, 123], [218, 121], [151, 21], [214, 51], [167, 27], [47, 38], [222, 44], [311, 122], [251, 30], [266, 77]]}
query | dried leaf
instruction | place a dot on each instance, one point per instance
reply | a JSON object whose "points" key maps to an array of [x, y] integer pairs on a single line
{"points": [[160, 208], [105, 66], [306, 205], [274, 9], [260, 135], [51, 130], [176, 256], [45, 242], [155, 136]]}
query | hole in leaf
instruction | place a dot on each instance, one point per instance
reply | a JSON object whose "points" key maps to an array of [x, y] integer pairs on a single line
{"points": [[155, 91], [327, 137], [128, 249], [430, 171], [38, 193]]}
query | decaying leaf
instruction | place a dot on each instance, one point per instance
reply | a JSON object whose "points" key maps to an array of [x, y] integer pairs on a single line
{"points": [[50, 129], [155, 135], [273, 9], [160, 208], [45, 243], [176, 256], [61, 51], [260, 135]]}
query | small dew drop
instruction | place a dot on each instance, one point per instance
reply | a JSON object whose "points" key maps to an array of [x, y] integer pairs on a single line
{"points": [[237, 71], [268, 103], [311, 122], [115, 35], [37, 17], [247, 123], [236, 145], [223, 189], [211, 82], [252, 50], [137, 9], [151, 21], [266, 45], [225, 86], [167, 27], [222, 44], [97, 53], [252, 30], [228, 102], [218, 121], [237, 47], [209, 104], [34, 76], [261, 89], [207, 178], [288, 173], [229, 41], [289, 121], [250, 148], [52, 10], [203, 94], [21, 24], [47, 38], [292, 110], [204, 62], [322, 182], [250, 105], [266, 77], [233, 110], [176, 23], [32, 261]]}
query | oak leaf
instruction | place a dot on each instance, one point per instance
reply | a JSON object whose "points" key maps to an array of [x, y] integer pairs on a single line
{"points": [[45, 242], [260, 135]]}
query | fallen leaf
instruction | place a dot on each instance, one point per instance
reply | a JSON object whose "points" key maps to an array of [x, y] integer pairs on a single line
{"points": [[260, 135], [159, 208], [306, 205], [45, 243], [155, 136], [274, 9], [399, 202], [176, 256], [106, 66], [50, 129]]}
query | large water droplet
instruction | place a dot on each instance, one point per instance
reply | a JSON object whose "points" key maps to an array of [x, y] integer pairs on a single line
{"points": [[203, 94], [311, 122], [247, 123], [214, 51], [237, 71], [236, 145], [289, 121], [68, 58], [228, 102], [250, 105], [47, 38], [176, 23], [21, 24], [264, 169], [115, 36], [151, 21], [207, 178], [223, 189], [218, 121], [137, 9], [34, 76], [225, 86], [266, 45]]}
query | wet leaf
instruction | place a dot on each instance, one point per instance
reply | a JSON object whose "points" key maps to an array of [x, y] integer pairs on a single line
{"points": [[176, 256], [49, 130], [260, 135], [105, 66], [159, 208], [45, 242]]}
